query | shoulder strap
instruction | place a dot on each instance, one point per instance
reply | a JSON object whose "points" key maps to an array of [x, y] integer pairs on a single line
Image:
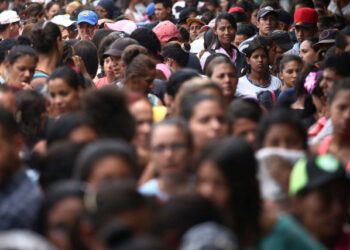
{"points": [[323, 149]]}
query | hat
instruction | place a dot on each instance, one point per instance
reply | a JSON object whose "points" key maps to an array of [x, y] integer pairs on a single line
{"points": [[210, 25], [118, 46], [9, 16], [126, 26], [236, 9], [306, 17], [326, 36], [312, 172], [185, 13], [165, 31], [266, 10], [150, 9], [197, 19], [108, 5], [282, 39], [284, 16], [62, 20], [87, 16]]}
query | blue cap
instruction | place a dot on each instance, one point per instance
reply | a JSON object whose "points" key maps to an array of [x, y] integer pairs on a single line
{"points": [[87, 16], [150, 9]]}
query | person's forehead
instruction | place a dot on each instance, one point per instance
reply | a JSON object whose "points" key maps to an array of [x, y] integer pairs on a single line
{"points": [[172, 131], [271, 14]]}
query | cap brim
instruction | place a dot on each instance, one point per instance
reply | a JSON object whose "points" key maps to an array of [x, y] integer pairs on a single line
{"points": [[286, 46], [306, 25], [86, 21], [112, 52], [326, 41], [269, 12], [191, 20]]}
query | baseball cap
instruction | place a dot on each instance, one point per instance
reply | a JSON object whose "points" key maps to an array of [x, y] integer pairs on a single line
{"points": [[313, 172], [87, 16], [125, 26], [236, 9], [197, 19], [266, 10], [62, 20], [150, 9], [9, 16], [282, 39], [326, 36], [306, 17], [165, 31], [118, 46]]}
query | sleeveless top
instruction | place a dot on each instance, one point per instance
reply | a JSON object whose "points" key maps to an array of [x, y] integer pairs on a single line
{"points": [[324, 146]]}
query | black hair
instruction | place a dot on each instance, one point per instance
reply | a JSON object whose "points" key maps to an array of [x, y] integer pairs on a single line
{"points": [[343, 84], [255, 44], [339, 64], [272, 3], [30, 107], [235, 159], [44, 37], [247, 6], [20, 51], [32, 12], [211, 63], [166, 3], [104, 44], [246, 29], [244, 108], [288, 58], [95, 151], [3, 27], [50, 4], [68, 75], [8, 124], [175, 52], [88, 53], [280, 116], [177, 79], [99, 35], [345, 31], [106, 109], [307, 3], [341, 42], [239, 17], [313, 40], [148, 39]]}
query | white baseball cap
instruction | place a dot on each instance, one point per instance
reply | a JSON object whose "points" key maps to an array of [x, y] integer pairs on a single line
{"points": [[9, 16], [62, 20]]}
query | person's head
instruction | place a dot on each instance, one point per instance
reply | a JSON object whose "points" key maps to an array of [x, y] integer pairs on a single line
{"points": [[88, 53], [9, 24], [338, 100], [282, 40], [175, 57], [99, 36], [281, 129], [244, 31], [226, 174], [244, 116], [148, 39], [162, 9], [33, 12], [87, 24], [65, 87], [267, 20], [289, 68], [166, 32], [11, 145], [257, 57], [303, 4], [7, 98], [335, 68], [225, 29], [343, 40], [223, 71], [20, 65], [51, 9], [305, 23], [141, 110], [195, 24], [47, 39], [307, 52], [139, 73], [170, 144], [206, 119], [105, 8], [115, 51], [284, 19], [106, 109], [320, 201], [173, 85]]}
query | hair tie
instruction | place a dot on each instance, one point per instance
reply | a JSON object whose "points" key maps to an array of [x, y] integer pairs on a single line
{"points": [[310, 82]]}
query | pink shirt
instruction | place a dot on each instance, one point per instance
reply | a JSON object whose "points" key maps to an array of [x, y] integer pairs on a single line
{"points": [[221, 51]]}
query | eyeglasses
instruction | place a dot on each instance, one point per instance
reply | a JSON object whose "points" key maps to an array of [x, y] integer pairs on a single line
{"points": [[175, 147]]}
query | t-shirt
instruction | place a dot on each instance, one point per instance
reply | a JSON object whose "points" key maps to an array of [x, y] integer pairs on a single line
{"points": [[151, 188], [247, 88], [288, 234]]}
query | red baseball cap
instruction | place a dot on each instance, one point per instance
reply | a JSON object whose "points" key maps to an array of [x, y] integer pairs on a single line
{"points": [[306, 17], [236, 9]]}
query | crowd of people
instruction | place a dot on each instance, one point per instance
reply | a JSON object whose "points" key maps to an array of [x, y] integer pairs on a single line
{"points": [[190, 125]]}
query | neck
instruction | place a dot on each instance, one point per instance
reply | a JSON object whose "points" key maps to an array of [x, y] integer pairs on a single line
{"points": [[110, 78], [260, 78], [173, 184], [47, 63], [341, 140], [299, 103]]}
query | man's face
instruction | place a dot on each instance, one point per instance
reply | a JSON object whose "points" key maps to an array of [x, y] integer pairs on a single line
{"points": [[328, 80], [302, 32], [161, 12], [266, 24], [86, 30]]}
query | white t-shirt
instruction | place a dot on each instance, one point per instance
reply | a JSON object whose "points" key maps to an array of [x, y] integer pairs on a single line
{"points": [[137, 15], [247, 88]]}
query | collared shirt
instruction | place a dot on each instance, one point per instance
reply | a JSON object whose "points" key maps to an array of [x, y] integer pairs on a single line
{"points": [[220, 51], [20, 201]]}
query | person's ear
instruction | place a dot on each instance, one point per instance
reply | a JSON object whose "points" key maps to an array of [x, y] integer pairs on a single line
{"points": [[280, 75], [247, 60], [257, 24]]}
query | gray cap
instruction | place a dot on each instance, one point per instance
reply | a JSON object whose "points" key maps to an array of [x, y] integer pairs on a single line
{"points": [[118, 46], [266, 10], [282, 39]]}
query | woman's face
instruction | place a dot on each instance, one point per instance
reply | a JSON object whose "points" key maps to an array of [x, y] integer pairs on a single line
{"points": [[224, 5], [142, 112], [212, 184], [225, 32], [307, 54], [117, 66], [340, 113], [259, 62], [63, 96], [108, 66], [289, 73], [225, 74], [21, 71], [52, 11], [14, 30], [207, 122], [144, 84]]}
